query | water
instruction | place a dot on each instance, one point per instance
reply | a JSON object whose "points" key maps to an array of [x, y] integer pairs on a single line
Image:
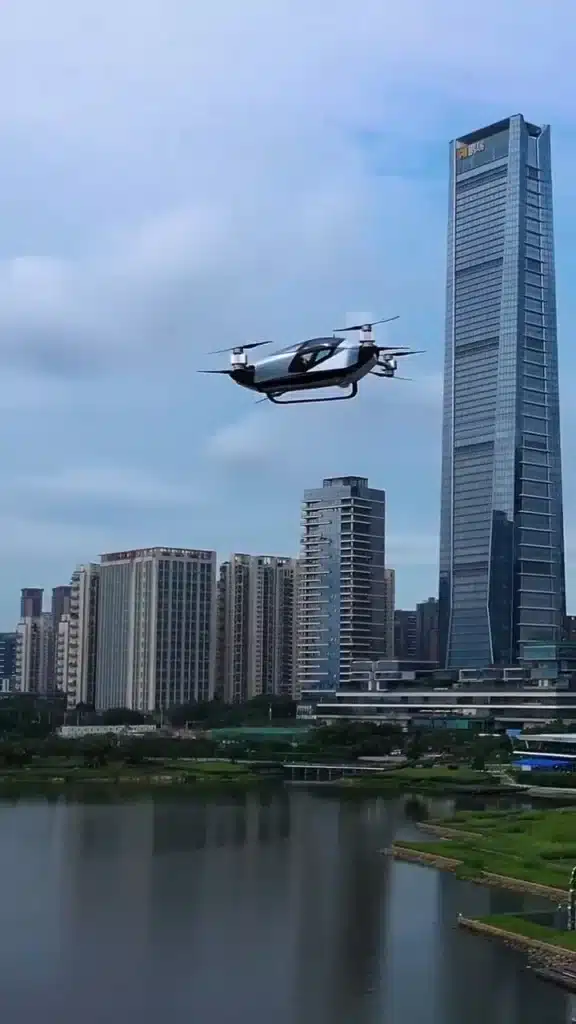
{"points": [[261, 908]]}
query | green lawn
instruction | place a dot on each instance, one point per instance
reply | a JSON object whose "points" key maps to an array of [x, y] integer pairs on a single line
{"points": [[531, 930], [535, 846], [422, 779], [186, 771]]}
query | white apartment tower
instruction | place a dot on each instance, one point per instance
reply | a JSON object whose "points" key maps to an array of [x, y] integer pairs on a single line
{"points": [[344, 589], [256, 627], [77, 638], [156, 628], [34, 646]]}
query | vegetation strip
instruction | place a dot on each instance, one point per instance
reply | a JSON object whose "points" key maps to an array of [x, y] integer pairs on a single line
{"points": [[522, 934], [530, 851]]}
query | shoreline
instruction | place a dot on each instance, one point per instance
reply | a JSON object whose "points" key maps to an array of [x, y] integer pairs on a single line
{"points": [[399, 852], [557, 958]]}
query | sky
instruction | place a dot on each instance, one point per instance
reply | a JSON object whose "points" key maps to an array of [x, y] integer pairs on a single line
{"points": [[177, 177]]}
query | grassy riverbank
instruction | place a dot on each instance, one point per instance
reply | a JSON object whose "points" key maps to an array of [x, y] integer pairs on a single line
{"points": [[160, 773], [534, 847], [531, 931], [428, 780]]}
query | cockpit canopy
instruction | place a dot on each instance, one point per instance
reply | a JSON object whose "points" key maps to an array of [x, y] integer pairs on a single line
{"points": [[313, 352]]}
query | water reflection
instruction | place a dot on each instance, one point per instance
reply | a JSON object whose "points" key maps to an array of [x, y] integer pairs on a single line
{"points": [[254, 907]]}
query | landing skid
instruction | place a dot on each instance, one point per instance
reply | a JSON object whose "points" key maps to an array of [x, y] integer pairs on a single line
{"points": [[307, 401]]}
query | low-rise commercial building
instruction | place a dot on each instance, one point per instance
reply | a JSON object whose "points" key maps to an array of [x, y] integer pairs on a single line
{"points": [[408, 693]]}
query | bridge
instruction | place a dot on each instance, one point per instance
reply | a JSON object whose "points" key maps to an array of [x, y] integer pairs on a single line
{"points": [[302, 772]]}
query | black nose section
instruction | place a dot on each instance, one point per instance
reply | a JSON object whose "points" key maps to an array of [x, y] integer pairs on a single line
{"points": [[243, 375]]}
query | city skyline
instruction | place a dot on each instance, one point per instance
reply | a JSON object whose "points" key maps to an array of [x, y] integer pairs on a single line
{"points": [[502, 580], [124, 260]]}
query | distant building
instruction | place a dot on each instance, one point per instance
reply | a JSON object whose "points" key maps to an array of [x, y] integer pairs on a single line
{"points": [[8, 645], [343, 587], [405, 634], [256, 631], [427, 630], [60, 605], [390, 598], [156, 628], [31, 603], [570, 628], [34, 654], [77, 638]]}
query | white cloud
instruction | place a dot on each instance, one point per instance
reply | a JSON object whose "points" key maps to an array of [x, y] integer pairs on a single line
{"points": [[112, 484]]}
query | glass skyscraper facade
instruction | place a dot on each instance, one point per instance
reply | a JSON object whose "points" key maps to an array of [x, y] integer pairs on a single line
{"points": [[502, 536]]}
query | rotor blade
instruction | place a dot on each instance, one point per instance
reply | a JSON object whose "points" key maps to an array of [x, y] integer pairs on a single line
{"points": [[387, 376], [227, 372], [358, 327], [241, 348], [402, 351]]}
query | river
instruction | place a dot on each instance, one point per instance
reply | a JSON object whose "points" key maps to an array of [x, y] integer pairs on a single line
{"points": [[266, 908]]}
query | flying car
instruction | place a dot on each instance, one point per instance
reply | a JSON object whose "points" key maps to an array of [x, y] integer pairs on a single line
{"points": [[335, 362]]}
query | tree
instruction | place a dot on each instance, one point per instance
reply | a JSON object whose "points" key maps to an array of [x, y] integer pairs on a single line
{"points": [[122, 716], [13, 755], [97, 753]]}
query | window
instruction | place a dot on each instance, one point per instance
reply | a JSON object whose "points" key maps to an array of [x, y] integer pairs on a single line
{"points": [[536, 583], [311, 354], [533, 521], [534, 426], [534, 537], [535, 488], [531, 473], [537, 618], [541, 554], [537, 601]]}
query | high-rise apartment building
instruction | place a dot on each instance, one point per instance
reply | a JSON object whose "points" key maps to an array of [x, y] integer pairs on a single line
{"points": [[156, 628], [31, 602], [60, 605], [34, 648], [77, 638], [256, 627], [342, 583], [502, 544], [8, 644]]}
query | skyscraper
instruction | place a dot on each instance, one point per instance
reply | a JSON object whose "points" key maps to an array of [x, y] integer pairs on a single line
{"points": [[77, 638], [8, 645], [156, 628], [427, 630], [390, 591], [256, 627], [342, 585], [405, 634], [502, 542], [31, 602], [34, 646], [60, 605]]}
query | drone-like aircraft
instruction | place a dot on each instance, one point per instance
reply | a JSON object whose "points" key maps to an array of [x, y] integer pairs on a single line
{"points": [[317, 363]]}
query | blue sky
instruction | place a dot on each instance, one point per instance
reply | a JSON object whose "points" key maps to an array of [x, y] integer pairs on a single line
{"points": [[175, 179]]}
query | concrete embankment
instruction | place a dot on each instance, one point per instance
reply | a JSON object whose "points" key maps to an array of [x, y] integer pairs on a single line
{"points": [[482, 877], [420, 857], [550, 958], [447, 833]]}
